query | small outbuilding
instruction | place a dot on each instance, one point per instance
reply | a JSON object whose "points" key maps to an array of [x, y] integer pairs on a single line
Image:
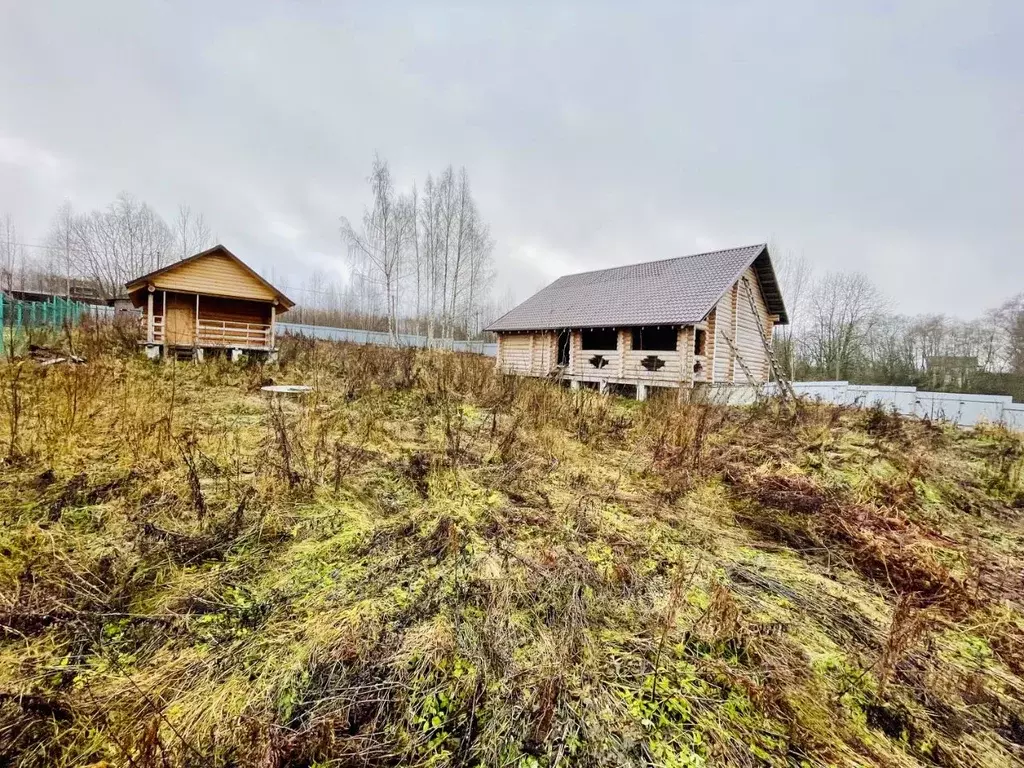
{"points": [[685, 321], [212, 301]]}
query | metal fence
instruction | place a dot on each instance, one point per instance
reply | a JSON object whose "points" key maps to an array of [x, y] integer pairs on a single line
{"points": [[356, 336], [18, 317], [955, 407]]}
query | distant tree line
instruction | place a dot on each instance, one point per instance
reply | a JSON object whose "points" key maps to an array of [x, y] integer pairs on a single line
{"points": [[418, 261], [98, 250], [843, 327], [425, 257]]}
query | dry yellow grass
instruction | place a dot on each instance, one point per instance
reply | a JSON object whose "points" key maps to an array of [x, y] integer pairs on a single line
{"points": [[425, 563]]}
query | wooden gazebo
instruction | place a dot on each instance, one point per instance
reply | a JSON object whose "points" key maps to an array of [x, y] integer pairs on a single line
{"points": [[209, 301]]}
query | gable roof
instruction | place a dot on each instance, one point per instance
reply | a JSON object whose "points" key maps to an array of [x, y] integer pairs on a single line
{"points": [[141, 282], [677, 291]]}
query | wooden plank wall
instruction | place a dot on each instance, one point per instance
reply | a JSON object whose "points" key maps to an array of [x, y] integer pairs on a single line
{"points": [[579, 359], [516, 353], [733, 315], [685, 347], [720, 364], [671, 372], [528, 354], [544, 354], [215, 274], [748, 338], [234, 310], [711, 345]]}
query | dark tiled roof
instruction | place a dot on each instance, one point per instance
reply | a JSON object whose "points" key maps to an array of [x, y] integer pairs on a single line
{"points": [[676, 291]]}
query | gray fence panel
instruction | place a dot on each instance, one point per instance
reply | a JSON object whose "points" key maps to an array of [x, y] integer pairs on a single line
{"points": [[357, 336], [956, 407], [1013, 416]]}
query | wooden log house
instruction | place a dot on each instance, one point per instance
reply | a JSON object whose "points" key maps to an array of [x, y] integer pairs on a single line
{"points": [[209, 302], [677, 323]]}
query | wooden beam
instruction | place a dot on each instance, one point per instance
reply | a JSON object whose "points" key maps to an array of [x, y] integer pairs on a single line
{"points": [[165, 325], [149, 316]]}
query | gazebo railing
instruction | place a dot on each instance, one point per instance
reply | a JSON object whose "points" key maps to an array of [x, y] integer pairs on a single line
{"points": [[227, 333], [214, 333]]}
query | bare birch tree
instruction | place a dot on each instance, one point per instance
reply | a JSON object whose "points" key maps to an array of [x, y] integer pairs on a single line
{"points": [[12, 256], [113, 246], [795, 275], [191, 232], [379, 245]]}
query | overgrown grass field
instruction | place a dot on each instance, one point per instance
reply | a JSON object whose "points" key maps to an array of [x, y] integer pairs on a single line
{"points": [[426, 563]]}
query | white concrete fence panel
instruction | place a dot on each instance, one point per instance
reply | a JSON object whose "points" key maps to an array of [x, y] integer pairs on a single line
{"points": [[955, 407]]}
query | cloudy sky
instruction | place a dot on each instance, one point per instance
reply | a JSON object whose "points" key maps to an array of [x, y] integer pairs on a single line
{"points": [[886, 137]]}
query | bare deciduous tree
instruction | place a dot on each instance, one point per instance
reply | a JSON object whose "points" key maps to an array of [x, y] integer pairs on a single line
{"points": [[795, 275], [843, 307], [435, 240], [379, 246], [1008, 320], [12, 256], [120, 243], [191, 232]]}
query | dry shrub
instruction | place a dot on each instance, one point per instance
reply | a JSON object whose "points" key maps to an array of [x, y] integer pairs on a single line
{"points": [[910, 622], [885, 545]]}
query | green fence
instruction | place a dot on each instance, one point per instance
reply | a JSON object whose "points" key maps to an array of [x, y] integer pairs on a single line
{"points": [[17, 317]]}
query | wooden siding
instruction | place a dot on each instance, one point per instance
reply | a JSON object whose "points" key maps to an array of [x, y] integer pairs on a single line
{"points": [[710, 345], [233, 310], [631, 360], [748, 336], [720, 364], [579, 359], [545, 353], [214, 275], [733, 316], [686, 357], [528, 354], [515, 353]]}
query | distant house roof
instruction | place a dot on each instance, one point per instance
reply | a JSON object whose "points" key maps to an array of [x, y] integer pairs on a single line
{"points": [[678, 291], [219, 250]]}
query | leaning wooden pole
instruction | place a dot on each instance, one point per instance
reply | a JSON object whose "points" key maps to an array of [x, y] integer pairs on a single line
{"points": [[785, 386]]}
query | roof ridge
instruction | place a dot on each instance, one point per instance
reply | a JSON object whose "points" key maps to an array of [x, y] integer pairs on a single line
{"points": [[659, 261], [678, 290]]}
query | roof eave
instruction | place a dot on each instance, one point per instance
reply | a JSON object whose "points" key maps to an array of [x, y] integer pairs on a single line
{"points": [[144, 280]]}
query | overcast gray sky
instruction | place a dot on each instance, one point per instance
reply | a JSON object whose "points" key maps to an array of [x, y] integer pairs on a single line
{"points": [[881, 136]]}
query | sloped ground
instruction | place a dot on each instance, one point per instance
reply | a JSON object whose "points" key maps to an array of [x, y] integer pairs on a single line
{"points": [[423, 563]]}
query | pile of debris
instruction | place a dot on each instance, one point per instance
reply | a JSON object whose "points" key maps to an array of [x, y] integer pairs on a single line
{"points": [[48, 356]]}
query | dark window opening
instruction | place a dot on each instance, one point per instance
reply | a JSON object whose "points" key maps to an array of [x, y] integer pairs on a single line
{"points": [[655, 339], [563, 348], [700, 342], [662, 338], [600, 338]]}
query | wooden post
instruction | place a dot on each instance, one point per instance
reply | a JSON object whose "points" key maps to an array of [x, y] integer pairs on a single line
{"points": [[731, 371], [165, 324], [273, 323], [621, 342], [195, 341], [149, 315]]}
